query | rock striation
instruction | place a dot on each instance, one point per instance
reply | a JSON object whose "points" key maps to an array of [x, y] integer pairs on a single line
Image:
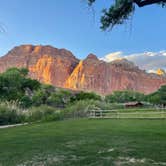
{"points": [[61, 68]]}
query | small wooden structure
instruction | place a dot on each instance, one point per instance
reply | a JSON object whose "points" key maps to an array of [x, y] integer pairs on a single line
{"points": [[133, 104]]}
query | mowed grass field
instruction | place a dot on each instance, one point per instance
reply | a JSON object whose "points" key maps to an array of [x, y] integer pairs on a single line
{"points": [[85, 142], [135, 114]]}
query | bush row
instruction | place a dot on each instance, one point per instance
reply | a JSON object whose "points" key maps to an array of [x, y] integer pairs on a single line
{"points": [[10, 113]]}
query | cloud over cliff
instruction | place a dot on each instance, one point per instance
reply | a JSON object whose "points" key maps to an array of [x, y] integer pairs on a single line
{"points": [[148, 60]]}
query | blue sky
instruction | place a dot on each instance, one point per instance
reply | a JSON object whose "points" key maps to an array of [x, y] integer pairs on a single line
{"points": [[72, 25]]}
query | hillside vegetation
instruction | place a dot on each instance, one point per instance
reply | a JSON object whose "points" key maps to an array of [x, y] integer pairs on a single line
{"points": [[23, 99]]}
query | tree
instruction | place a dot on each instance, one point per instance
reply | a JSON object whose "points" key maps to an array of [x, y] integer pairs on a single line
{"points": [[124, 96], [42, 94], [85, 96], [59, 98], [154, 98], [121, 10], [14, 84], [158, 97]]}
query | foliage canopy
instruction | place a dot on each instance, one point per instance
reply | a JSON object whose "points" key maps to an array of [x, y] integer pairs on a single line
{"points": [[121, 10], [124, 96], [158, 97]]}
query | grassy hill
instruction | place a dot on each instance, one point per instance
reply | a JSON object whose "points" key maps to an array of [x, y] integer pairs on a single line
{"points": [[85, 142]]}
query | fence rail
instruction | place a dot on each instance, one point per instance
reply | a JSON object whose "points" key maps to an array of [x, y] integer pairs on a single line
{"points": [[115, 114]]}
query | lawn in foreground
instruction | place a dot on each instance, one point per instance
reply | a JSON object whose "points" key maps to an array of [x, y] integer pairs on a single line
{"points": [[85, 143]]}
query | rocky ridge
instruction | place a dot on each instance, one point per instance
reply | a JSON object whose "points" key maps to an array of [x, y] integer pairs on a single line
{"points": [[61, 68]]}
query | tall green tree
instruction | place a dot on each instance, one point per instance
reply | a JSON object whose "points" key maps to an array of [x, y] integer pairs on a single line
{"points": [[120, 10], [14, 84], [158, 97]]}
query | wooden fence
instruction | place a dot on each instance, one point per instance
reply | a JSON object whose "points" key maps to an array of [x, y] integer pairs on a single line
{"points": [[114, 114]]}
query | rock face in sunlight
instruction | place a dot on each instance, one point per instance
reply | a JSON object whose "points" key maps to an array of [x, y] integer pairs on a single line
{"points": [[61, 68], [96, 75], [160, 72], [45, 63]]}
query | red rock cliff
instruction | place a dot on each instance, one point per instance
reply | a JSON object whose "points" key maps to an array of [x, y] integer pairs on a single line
{"points": [[92, 74], [45, 63], [59, 67]]}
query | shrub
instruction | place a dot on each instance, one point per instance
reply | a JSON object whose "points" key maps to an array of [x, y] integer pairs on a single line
{"points": [[108, 106], [77, 109], [10, 114], [124, 96], [41, 96], [59, 99], [42, 113], [25, 102], [81, 108], [85, 96]]}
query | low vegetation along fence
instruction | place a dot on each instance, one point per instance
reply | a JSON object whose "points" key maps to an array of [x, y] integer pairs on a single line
{"points": [[128, 115]]}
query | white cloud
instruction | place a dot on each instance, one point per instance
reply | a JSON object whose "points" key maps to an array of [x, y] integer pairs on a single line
{"points": [[151, 71], [148, 60], [112, 56]]}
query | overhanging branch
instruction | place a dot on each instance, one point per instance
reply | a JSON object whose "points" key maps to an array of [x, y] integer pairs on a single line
{"points": [[141, 3]]}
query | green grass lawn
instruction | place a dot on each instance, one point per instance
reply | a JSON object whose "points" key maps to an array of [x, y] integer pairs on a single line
{"points": [[141, 114], [128, 142]]}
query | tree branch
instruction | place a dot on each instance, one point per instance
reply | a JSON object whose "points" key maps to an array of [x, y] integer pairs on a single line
{"points": [[141, 3]]}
